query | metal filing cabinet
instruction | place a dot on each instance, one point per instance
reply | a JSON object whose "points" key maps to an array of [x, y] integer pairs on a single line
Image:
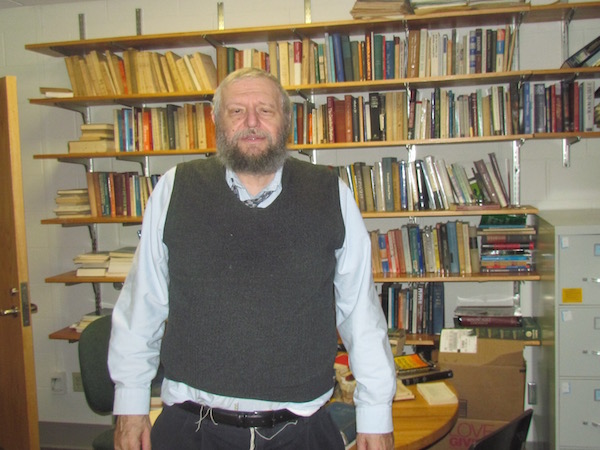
{"points": [[576, 282]]}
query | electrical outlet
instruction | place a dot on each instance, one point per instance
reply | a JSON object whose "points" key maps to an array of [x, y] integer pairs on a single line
{"points": [[77, 383], [58, 383]]}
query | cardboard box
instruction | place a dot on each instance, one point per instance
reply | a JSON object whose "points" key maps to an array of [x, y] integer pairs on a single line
{"points": [[491, 382], [465, 432]]}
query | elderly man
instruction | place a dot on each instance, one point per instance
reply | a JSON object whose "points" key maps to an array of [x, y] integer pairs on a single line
{"points": [[246, 264]]}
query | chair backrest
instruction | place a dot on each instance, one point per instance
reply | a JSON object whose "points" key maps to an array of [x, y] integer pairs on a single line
{"points": [[93, 356], [511, 436]]}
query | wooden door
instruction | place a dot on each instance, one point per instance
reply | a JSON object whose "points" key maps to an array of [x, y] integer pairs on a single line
{"points": [[18, 399]]}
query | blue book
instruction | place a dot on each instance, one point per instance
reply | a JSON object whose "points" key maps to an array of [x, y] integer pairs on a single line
{"points": [[383, 252], [390, 63], [453, 247], [403, 186], [527, 107], [338, 57], [437, 307]]}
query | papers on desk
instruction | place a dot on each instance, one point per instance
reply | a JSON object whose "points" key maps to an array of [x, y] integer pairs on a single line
{"points": [[437, 393], [402, 392]]}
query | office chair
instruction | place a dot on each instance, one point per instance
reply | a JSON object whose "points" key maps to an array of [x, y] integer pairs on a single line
{"points": [[511, 436], [97, 384]]}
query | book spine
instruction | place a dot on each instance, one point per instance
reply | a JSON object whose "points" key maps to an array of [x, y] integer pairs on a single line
{"points": [[431, 376], [487, 321]]}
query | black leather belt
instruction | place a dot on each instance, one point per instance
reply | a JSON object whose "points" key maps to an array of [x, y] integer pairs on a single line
{"points": [[240, 419]]}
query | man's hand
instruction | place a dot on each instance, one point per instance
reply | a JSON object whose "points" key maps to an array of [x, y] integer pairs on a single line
{"points": [[366, 441], [132, 433]]}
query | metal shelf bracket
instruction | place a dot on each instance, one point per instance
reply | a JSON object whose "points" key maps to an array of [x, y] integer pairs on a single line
{"points": [[566, 149]]}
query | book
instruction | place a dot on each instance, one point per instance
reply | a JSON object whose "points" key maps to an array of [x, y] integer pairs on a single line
{"points": [[437, 393], [578, 58], [431, 375], [528, 331], [413, 363], [56, 92], [403, 393], [92, 146]]}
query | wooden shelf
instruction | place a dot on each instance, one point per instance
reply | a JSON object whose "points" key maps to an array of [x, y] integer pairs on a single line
{"points": [[72, 278], [456, 278], [91, 220], [65, 334], [212, 38], [451, 212], [446, 81]]}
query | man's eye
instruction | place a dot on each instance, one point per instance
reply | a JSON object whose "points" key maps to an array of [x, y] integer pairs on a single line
{"points": [[266, 111]]}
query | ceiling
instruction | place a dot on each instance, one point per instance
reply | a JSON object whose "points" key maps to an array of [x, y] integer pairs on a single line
{"points": [[16, 3]]}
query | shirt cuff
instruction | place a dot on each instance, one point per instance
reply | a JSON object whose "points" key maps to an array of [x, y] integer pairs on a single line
{"points": [[376, 419], [131, 401]]}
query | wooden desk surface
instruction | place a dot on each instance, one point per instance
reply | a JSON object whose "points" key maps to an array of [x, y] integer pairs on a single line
{"points": [[418, 424]]}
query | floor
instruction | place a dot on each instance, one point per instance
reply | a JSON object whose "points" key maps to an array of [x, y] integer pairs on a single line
{"points": [[68, 436]]}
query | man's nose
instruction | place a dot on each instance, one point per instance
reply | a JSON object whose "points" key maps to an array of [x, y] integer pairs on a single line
{"points": [[251, 118]]}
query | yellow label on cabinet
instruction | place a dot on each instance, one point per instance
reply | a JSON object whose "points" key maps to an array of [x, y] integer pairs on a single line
{"points": [[572, 295]]}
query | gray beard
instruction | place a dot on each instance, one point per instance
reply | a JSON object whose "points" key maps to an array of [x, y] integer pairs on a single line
{"points": [[268, 162]]}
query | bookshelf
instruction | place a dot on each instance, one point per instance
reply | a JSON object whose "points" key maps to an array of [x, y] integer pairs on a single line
{"points": [[216, 39]]}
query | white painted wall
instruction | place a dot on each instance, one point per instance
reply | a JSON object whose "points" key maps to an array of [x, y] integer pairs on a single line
{"points": [[545, 183]]}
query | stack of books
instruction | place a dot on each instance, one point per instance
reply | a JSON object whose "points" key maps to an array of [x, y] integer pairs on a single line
{"points": [[487, 310], [95, 138], [88, 318], [507, 244], [91, 264], [495, 317], [120, 261], [72, 203], [377, 9]]}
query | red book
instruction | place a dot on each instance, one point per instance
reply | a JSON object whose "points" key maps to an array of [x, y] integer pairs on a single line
{"points": [[489, 321], [211, 134]]}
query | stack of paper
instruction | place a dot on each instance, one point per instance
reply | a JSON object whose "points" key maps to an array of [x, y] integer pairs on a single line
{"points": [[437, 393]]}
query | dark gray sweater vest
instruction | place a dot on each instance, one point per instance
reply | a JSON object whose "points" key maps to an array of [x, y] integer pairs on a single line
{"points": [[251, 290]]}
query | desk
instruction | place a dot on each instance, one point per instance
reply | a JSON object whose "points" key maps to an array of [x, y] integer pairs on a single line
{"points": [[416, 423]]}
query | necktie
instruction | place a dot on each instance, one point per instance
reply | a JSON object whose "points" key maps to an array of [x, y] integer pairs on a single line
{"points": [[252, 202]]}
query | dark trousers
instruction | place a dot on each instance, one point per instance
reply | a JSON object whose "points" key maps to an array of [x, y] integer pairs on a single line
{"points": [[176, 429]]}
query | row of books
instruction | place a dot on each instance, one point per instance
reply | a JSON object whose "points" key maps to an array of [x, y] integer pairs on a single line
{"points": [[114, 194], [105, 263], [422, 53], [424, 184], [170, 127], [565, 106], [441, 113], [417, 308], [444, 248], [140, 72]]}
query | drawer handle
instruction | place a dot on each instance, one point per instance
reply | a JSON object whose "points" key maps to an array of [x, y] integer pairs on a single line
{"points": [[592, 352], [595, 279]]}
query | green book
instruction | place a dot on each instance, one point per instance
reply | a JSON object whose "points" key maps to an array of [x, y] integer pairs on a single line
{"points": [[529, 331]]}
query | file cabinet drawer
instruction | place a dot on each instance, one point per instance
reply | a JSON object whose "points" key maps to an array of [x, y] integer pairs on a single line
{"points": [[579, 341], [579, 416], [579, 269]]}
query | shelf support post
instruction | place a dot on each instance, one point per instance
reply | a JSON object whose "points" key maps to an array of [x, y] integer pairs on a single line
{"points": [[220, 16], [516, 173], [564, 25], [307, 12], [97, 298], [93, 230], [138, 21], [81, 26]]}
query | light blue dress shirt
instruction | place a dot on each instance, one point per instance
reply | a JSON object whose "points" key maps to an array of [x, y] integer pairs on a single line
{"points": [[142, 308]]}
